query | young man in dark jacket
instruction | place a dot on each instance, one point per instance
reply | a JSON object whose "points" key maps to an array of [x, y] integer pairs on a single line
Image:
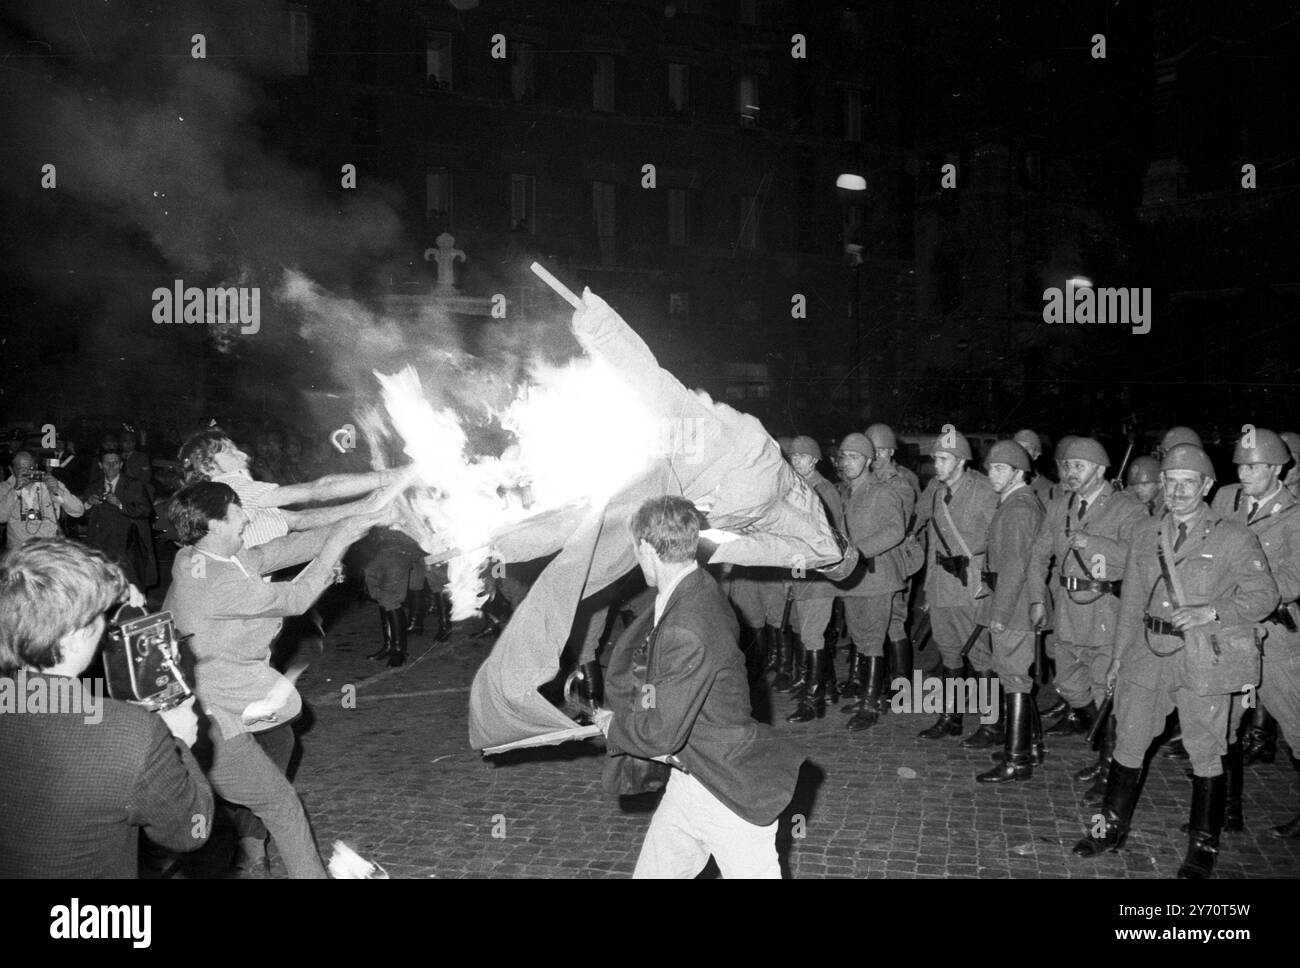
{"points": [[678, 693]]}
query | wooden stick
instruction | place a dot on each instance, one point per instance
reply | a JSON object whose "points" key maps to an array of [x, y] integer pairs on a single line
{"points": [[564, 291]]}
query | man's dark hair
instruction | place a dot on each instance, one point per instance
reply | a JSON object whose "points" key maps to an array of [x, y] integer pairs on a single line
{"points": [[198, 454], [671, 525], [194, 505], [49, 588]]}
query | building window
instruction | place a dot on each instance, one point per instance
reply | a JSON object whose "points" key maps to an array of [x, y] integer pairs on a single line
{"points": [[852, 115], [749, 11], [523, 203], [523, 73], [679, 216], [602, 211], [679, 88], [747, 100], [602, 84], [437, 193], [747, 221], [437, 60], [679, 308], [299, 43]]}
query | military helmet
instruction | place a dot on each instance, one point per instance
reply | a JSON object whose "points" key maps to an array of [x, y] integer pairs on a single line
{"points": [[1292, 441], [1085, 448], [1269, 449], [1188, 457], [1180, 435], [784, 444], [1144, 470], [1008, 452], [805, 445], [1058, 455], [860, 444], [1030, 441], [951, 443], [882, 437]]}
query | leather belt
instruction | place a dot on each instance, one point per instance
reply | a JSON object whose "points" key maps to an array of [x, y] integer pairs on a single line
{"points": [[990, 578], [1090, 585], [1160, 626]]}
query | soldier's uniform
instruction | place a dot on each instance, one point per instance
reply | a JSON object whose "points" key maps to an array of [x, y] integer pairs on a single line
{"points": [[902, 480], [1276, 525], [1012, 532], [970, 506], [1088, 583], [814, 596]]}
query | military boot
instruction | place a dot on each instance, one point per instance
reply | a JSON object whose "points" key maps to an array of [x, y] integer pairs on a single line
{"points": [[829, 679], [442, 608], [1233, 762], [1291, 829], [772, 647], [949, 723], [868, 706], [1095, 774], [384, 650], [989, 734], [1076, 722], [784, 679], [800, 666], [812, 700], [1017, 762], [592, 688], [415, 609], [851, 689], [1122, 785], [1209, 795], [397, 621], [1259, 742]]}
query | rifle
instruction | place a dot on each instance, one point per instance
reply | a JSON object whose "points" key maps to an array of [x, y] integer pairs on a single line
{"points": [[1132, 437]]}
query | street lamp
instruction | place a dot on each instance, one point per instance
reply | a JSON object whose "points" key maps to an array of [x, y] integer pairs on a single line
{"points": [[852, 192]]}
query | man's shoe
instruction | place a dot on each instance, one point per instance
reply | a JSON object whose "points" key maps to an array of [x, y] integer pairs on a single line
{"points": [[1076, 722]]}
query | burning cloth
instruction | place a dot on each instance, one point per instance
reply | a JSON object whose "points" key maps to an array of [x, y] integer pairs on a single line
{"points": [[759, 511]]}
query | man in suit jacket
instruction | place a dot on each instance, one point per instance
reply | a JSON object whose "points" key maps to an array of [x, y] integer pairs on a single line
{"points": [[85, 776], [114, 508], [678, 693]]}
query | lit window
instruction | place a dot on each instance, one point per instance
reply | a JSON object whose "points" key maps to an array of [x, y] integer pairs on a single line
{"points": [[602, 84], [523, 192], [679, 88], [437, 60], [299, 42]]}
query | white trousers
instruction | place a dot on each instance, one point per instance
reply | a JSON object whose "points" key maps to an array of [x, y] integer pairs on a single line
{"points": [[691, 823]]}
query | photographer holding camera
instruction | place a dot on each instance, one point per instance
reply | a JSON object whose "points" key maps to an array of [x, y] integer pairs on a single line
{"points": [[32, 500], [83, 778]]}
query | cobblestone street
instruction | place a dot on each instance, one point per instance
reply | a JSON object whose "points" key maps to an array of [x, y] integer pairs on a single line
{"points": [[394, 778]]}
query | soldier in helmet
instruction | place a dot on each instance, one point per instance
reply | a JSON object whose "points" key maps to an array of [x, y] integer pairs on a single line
{"points": [[1086, 532], [875, 522], [814, 595], [1032, 445], [956, 508], [1261, 504], [1006, 610], [904, 482], [1291, 480], [1226, 586], [1143, 482], [1175, 436], [1058, 458]]}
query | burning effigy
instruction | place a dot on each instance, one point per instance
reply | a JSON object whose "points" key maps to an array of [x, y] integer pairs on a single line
{"points": [[592, 440]]}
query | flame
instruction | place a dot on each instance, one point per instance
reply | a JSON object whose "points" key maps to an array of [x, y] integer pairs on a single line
{"points": [[581, 435]]}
